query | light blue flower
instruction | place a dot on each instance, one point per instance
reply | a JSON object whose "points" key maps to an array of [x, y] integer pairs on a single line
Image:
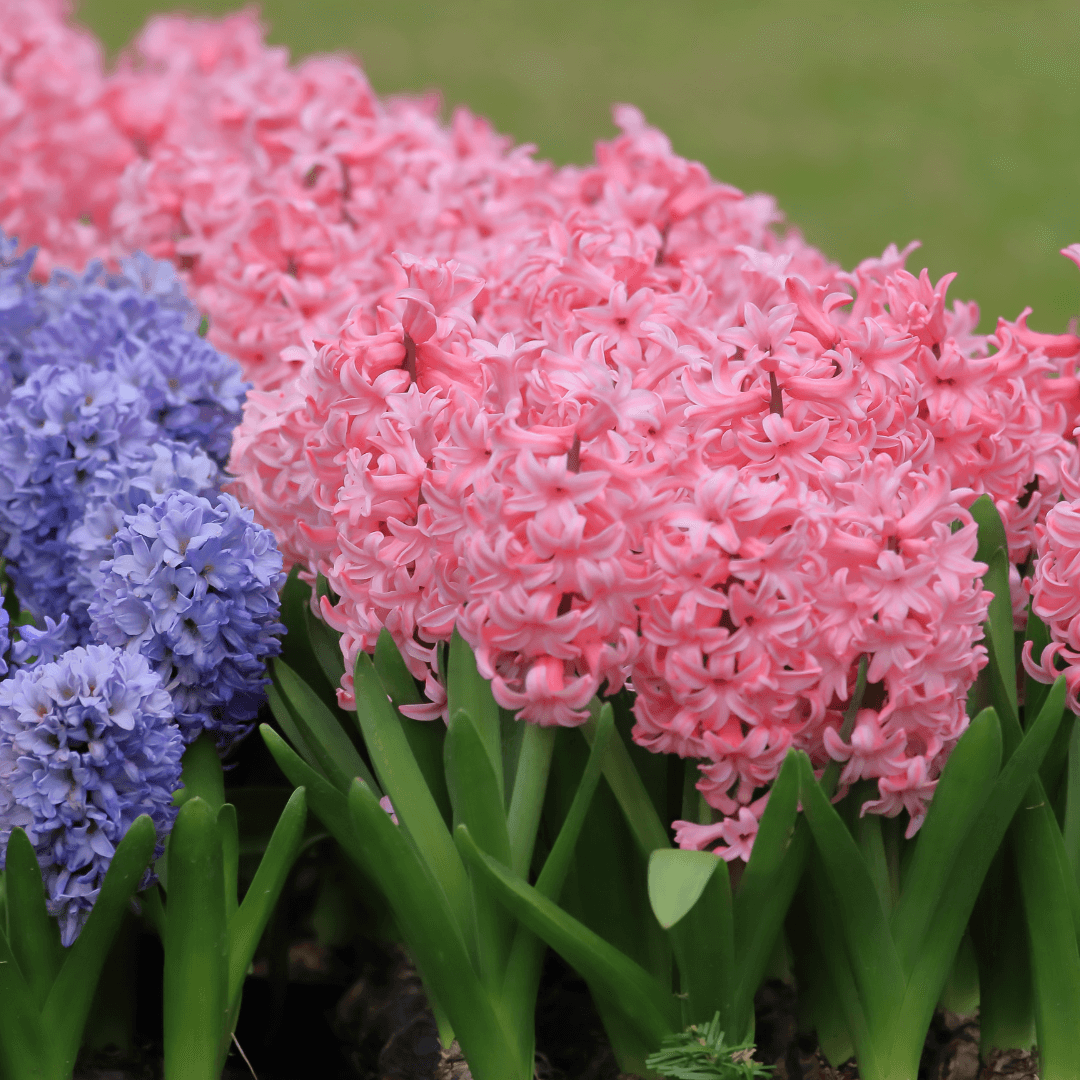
{"points": [[193, 586], [86, 746]]}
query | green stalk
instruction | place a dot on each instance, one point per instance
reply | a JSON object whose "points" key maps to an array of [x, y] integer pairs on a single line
{"points": [[527, 797], [196, 949]]}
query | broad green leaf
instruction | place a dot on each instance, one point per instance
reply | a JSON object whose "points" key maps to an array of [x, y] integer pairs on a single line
{"points": [[943, 932], [195, 979], [704, 944], [436, 945], [35, 938], [960, 794], [648, 1004], [426, 737], [676, 881], [847, 1007], [410, 796], [328, 741], [637, 806], [992, 535], [27, 1047], [874, 962], [283, 717], [247, 923], [477, 801], [328, 804], [392, 670], [769, 881], [469, 692], [72, 993], [1049, 892]]}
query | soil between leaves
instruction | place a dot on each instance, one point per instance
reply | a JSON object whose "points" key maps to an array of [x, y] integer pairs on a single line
{"points": [[362, 1015]]}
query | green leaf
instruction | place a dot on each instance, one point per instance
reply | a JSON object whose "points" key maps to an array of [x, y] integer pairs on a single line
{"points": [[846, 1007], [704, 945], [25, 1048], [1038, 633], [296, 649], [651, 1007], [1050, 904], [394, 673], [1071, 829], [769, 882], [477, 801], [426, 737], [195, 979], [283, 717], [410, 796], [871, 953], [325, 644], [35, 937], [338, 759], [72, 993], [942, 937], [469, 692], [999, 629], [649, 831], [325, 801], [676, 881], [247, 923], [992, 535], [958, 799], [436, 944]]}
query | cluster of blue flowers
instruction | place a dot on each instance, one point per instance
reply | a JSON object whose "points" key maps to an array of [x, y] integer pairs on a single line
{"points": [[194, 586], [86, 746], [148, 599]]}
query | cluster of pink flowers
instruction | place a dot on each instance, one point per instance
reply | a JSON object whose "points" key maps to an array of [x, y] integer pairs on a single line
{"points": [[606, 420]]}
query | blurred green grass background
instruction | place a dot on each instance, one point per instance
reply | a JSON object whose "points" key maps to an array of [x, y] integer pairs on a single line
{"points": [[954, 122]]}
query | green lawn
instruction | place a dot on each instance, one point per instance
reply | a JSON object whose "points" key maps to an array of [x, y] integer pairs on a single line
{"points": [[955, 122]]}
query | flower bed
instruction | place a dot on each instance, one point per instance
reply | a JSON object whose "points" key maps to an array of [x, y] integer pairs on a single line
{"points": [[548, 450]]}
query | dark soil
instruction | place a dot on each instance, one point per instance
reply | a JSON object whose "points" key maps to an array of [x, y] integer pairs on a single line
{"points": [[362, 1015]]}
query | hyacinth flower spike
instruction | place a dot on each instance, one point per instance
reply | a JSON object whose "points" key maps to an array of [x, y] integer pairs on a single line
{"points": [[888, 945], [209, 936], [485, 774]]}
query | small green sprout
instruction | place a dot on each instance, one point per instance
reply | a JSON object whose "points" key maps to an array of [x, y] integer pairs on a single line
{"points": [[699, 1053]]}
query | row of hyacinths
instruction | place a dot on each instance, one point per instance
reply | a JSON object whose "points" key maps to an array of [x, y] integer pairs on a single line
{"points": [[607, 421]]}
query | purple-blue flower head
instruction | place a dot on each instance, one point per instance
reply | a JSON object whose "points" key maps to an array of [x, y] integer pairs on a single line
{"points": [[87, 744], [59, 434], [20, 311], [5, 638], [138, 324], [193, 586], [142, 475]]}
